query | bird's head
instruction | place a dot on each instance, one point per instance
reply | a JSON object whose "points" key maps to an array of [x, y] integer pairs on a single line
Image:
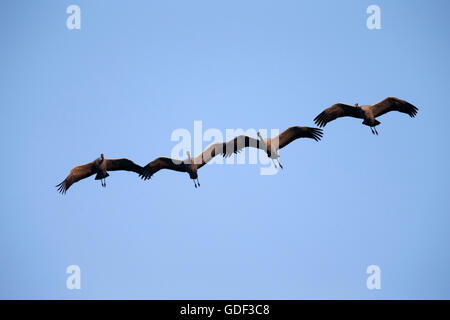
{"points": [[259, 135], [102, 156], [356, 105]]}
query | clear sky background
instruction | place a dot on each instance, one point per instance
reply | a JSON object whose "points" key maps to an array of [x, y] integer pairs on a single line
{"points": [[138, 70]]}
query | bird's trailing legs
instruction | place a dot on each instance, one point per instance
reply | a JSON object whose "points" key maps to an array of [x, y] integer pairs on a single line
{"points": [[275, 164], [103, 183], [374, 130], [279, 163], [198, 182], [195, 183]]}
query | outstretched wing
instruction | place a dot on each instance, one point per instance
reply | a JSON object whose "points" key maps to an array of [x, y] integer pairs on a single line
{"points": [[393, 104], [123, 164], [293, 133], [210, 152], [76, 174], [240, 142], [337, 110], [161, 163]]}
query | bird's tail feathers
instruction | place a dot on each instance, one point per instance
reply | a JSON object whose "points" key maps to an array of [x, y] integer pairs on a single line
{"points": [[100, 175]]}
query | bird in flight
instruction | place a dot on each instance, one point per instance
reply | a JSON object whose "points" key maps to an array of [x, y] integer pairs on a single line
{"points": [[366, 112], [272, 145], [100, 167], [189, 165]]}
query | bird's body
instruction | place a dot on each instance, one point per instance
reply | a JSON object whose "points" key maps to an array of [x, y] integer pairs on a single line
{"points": [[270, 148], [368, 113], [100, 167]]}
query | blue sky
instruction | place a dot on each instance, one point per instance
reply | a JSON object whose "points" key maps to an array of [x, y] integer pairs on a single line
{"points": [[138, 70]]}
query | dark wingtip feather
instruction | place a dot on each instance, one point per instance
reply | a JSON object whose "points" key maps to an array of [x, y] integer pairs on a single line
{"points": [[320, 120], [61, 188], [317, 133], [414, 111], [146, 174]]}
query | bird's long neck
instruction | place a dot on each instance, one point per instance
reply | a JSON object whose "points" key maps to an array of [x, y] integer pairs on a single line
{"points": [[98, 161], [261, 140], [263, 143], [189, 159], [361, 112]]}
